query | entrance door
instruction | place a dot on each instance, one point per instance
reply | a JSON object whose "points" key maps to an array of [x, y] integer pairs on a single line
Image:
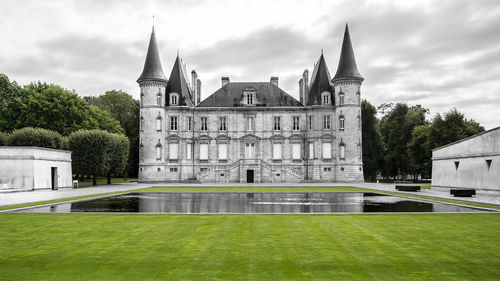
{"points": [[53, 177], [249, 176]]}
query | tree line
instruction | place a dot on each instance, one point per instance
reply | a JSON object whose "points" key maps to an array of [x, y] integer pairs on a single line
{"points": [[399, 144]]}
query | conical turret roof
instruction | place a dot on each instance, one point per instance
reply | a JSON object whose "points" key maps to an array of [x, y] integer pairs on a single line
{"points": [[347, 63], [178, 83], [320, 82], [152, 67]]}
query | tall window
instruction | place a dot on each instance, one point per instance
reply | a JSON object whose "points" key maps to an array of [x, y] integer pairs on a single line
{"points": [[222, 124], [142, 123], [296, 123], [173, 123], [142, 98], [296, 151], [222, 151], [342, 151], [359, 122], [358, 96], [277, 151], [249, 98], [158, 123], [250, 124], [173, 151], [158, 99], [249, 150], [310, 122], [189, 123], [325, 98], [341, 122], [158, 151], [311, 150], [204, 124], [277, 123], [189, 151], [326, 122], [174, 99], [359, 151], [204, 151], [341, 98], [327, 150]]}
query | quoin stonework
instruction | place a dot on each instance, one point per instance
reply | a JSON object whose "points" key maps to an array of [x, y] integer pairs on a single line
{"points": [[251, 131]]}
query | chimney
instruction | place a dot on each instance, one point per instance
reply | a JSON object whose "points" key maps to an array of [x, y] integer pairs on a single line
{"points": [[194, 86], [224, 80], [301, 90], [274, 80], [305, 91], [198, 84]]}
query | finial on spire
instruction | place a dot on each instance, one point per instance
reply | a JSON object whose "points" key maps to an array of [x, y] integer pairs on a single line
{"points": [[177, 52], [321, 51]]}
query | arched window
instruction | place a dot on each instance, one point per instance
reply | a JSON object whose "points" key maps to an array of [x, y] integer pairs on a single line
{"points": [[174, 99], [158, 99], [325, 98], [341, 122], [158, 123], [158, 150], [342, 151], [341, 98]]}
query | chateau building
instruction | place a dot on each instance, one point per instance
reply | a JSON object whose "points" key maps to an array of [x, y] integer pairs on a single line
{"points": [[250, 131]]}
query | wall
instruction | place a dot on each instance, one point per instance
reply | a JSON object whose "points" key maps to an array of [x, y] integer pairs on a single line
{"points": [[27, 168]]}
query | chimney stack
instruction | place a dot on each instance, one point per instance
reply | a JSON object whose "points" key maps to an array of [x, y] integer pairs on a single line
{"points": [[274, 80], [305, 90], [224, 80], [194, 86], [198, 84], [301, 90]]}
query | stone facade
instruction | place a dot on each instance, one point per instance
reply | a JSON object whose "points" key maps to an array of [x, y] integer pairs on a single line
{"points": [[473, 162], [251, 132], [28, 168]]}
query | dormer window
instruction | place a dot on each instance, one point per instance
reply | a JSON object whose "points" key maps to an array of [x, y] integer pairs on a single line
{"points": [[249, 97], [174, 99], [325, 98]]}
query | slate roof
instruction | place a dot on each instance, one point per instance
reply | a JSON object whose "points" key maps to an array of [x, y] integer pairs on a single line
{"points": [[320, 82], [178, 83], [267, 94], [152, 67], [347, 63]]}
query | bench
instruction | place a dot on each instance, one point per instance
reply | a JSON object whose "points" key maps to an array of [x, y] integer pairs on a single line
{"points": [[408, 187], [462, 192]]}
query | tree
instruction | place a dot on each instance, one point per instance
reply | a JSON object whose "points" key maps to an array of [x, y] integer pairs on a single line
{"points": [[372, 141], [36, 137], [119, 150], [420, 152], [452, 128], [3, 138]]}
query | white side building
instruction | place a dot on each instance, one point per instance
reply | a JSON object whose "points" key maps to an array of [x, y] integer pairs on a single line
{"points": [[29, 168], [473, 162]]}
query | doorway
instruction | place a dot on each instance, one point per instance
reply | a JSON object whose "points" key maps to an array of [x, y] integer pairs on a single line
{"points": [[250, 176], [53, 176]]}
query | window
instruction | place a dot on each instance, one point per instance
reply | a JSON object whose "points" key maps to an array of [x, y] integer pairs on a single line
{"points": [[341, 122], [222, 151], [173, 170], [327, 150], [250, 124], [311, 150], [342, 152], [142, 123], [488, 162], [249, 98], [341, 98], [249, 150], [189, 151], [296, 151], [325, 98], [277, 151], [326, 122], [327, 169], [359, 151], [142, 98], [174, 99], [158, 151], [359, 122], [158, 123], [204, 124], [173, 152], [277, 123], [222, 124], [158, 99], [189, 123], [310, 122], [173, 123], [358, 96], [296, 123], [204, 151], [456, 164]]}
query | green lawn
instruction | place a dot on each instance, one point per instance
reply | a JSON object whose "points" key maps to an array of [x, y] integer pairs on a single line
{"points": [[249, 247]]}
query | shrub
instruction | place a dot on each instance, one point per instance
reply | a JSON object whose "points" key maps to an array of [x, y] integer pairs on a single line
{"points": [[3, 138], [36, 137]]}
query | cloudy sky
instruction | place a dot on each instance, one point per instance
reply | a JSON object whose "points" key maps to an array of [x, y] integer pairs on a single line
{"points": [[440, 54]]}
